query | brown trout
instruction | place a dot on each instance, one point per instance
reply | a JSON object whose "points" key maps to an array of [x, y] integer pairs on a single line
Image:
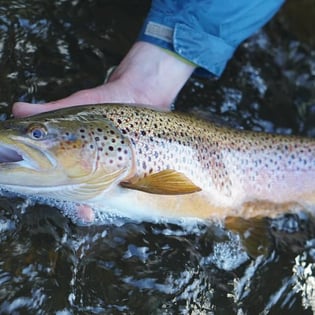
{"points": [[142, 163]]}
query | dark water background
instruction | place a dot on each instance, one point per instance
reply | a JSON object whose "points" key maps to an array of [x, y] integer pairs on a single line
{"points": [[49, 265]]}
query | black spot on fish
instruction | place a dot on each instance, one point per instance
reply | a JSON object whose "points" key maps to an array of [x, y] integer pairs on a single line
{"points": [[110, 148]]}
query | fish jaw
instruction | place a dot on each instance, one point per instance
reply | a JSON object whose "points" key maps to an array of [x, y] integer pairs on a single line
{"points": [[34, 157], [19, 161]]}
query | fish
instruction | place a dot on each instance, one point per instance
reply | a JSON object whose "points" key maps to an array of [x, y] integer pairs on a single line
{"points": [[142, 163]]}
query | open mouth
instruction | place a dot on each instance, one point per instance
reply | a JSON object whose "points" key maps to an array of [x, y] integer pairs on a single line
{"points": [[9, 155]]}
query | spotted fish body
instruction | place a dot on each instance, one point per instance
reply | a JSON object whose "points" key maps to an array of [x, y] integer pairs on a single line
{"points": [[141, 162]]}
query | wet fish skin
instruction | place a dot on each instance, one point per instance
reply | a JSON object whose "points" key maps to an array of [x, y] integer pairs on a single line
{"points": [[65, 160], [112, 153], [232, 166]]}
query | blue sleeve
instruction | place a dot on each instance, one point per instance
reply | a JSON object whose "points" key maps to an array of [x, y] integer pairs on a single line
{"points": [[205, 32]]}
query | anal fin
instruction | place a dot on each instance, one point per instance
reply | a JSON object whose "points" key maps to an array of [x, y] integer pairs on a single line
{"points": [[253, 232]]}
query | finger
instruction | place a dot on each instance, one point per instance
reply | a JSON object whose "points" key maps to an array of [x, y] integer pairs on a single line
{"points": [[90, 96]]}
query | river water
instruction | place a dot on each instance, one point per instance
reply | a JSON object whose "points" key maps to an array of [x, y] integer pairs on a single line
{"points": [[51, 265]]}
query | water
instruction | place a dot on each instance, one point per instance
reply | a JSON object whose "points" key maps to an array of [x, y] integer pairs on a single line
{"points": [[49, 264]]}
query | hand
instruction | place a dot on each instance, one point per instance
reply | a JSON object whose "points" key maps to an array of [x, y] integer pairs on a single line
{"points": [[147, 75]]}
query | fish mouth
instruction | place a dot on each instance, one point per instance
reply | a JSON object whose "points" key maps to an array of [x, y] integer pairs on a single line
{"points": [[9, 155], [28, 157]]}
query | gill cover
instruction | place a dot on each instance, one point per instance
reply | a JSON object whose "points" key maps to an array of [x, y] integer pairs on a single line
{"points": [[76, 156]]}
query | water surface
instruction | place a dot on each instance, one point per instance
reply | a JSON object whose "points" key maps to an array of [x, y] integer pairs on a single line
{"points": [[51, 265]]}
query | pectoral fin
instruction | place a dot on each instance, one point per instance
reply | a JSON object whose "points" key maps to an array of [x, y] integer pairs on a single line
{"points": [[167, 182]]}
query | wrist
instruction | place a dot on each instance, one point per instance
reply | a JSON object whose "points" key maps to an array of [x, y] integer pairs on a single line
{"points": [[154, 75]]}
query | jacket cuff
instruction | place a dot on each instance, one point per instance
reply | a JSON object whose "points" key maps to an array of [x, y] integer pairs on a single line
{"points": [[212, 55]]}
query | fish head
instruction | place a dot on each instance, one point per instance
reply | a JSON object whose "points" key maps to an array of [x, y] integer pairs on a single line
{"points": [[49, 151]]}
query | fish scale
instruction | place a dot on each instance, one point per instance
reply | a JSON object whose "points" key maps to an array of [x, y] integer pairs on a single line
{"points": [[142, 161], [104, 142], [222, 157]]}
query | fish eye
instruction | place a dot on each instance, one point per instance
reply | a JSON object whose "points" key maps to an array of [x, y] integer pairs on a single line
{"points": [[37, 132]]}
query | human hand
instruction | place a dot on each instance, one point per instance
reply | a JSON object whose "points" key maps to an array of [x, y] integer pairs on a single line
{"points": [[147, 75]]}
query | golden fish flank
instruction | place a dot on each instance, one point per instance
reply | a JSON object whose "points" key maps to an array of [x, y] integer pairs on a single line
{"points": [[231, 166], [139, 161]]}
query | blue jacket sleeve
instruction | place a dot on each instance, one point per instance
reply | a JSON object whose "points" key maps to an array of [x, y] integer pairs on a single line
{"points": [[205, 32]]}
